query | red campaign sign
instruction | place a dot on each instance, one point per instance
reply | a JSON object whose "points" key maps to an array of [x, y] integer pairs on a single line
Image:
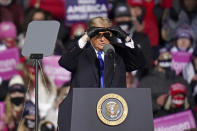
{"points": [[54, 71], [8, 61]]}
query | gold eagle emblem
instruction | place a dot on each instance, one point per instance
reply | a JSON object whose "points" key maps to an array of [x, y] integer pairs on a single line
{"points": [[112, 109]]}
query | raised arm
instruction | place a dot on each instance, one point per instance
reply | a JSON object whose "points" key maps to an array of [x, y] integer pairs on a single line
{"points": [[124, 45]]}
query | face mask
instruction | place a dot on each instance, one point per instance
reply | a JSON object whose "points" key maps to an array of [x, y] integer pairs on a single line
{"points": [[17, 100], [178, 101], [166, 64], [29, 123], [126, 26], [5, 3]]}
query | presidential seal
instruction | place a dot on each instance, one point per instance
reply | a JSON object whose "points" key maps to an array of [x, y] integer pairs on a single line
{"points": [[112, 109]]}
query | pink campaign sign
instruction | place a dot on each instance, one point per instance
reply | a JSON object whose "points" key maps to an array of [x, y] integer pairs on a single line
{"points": [[54, 71], [180, 60], [8, 61], [175, 122]]}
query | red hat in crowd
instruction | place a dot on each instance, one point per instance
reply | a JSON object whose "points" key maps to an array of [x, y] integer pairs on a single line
{"points": [[166, 3], [136, 2], [78, 29], [177, 88]]}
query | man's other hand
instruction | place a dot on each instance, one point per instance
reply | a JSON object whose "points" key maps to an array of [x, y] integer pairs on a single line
{"points": [[118, 32]]}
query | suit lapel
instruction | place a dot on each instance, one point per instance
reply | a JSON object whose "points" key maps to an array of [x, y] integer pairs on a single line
{"points": [[92, 58]]}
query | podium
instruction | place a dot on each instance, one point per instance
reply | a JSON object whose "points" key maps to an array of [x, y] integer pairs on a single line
{"points": [[79, 110]]}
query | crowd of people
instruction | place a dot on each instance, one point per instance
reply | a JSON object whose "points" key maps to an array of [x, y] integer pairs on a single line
{"points": [[165, 31]]}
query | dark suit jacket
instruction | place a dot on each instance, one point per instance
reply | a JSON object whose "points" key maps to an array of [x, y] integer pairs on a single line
{"points": [[84, 65]]}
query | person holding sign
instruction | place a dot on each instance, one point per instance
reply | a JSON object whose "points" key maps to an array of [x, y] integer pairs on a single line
{"points": [[102, 56]]}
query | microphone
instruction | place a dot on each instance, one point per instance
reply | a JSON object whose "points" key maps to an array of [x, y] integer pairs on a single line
{"points": [[109, 50]]}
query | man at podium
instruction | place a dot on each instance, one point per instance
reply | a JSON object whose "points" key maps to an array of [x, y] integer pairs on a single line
{"points": [[92, 66]]}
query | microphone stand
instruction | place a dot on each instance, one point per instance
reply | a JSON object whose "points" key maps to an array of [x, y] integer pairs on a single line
{"points": [[36, 58]]}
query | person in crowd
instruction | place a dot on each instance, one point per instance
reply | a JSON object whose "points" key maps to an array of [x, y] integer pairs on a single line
{"points": [[77, 30], [8, 34], [56, 8], [11, 11], [81, 59], [122, 18], [190, 74], [32, 15], [28, 118], [181, 49], [163, 76], [144, 20], [159, 8], [47, 89], [36, 14], [14, 102], [169, 24], [188, 15], [184, 39], [174, 18], [174, 101]]}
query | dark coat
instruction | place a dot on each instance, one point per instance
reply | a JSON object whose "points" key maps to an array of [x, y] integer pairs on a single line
{"points": [[84, 65]]}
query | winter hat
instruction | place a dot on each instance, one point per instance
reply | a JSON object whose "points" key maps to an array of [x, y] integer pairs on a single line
{"points": [[78, 29], [121, 9], [177, 88], [16, 84], [185, 31], [29, 109], [17, 79], [7, 30]]}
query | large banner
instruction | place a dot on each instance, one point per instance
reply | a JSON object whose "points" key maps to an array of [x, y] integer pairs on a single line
{"points": [[175, 122], [180, 60], [83, 10], [8, 61], [54, 71]]}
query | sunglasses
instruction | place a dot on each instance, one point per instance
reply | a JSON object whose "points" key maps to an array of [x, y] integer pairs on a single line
{"points": [[105, 34]]}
